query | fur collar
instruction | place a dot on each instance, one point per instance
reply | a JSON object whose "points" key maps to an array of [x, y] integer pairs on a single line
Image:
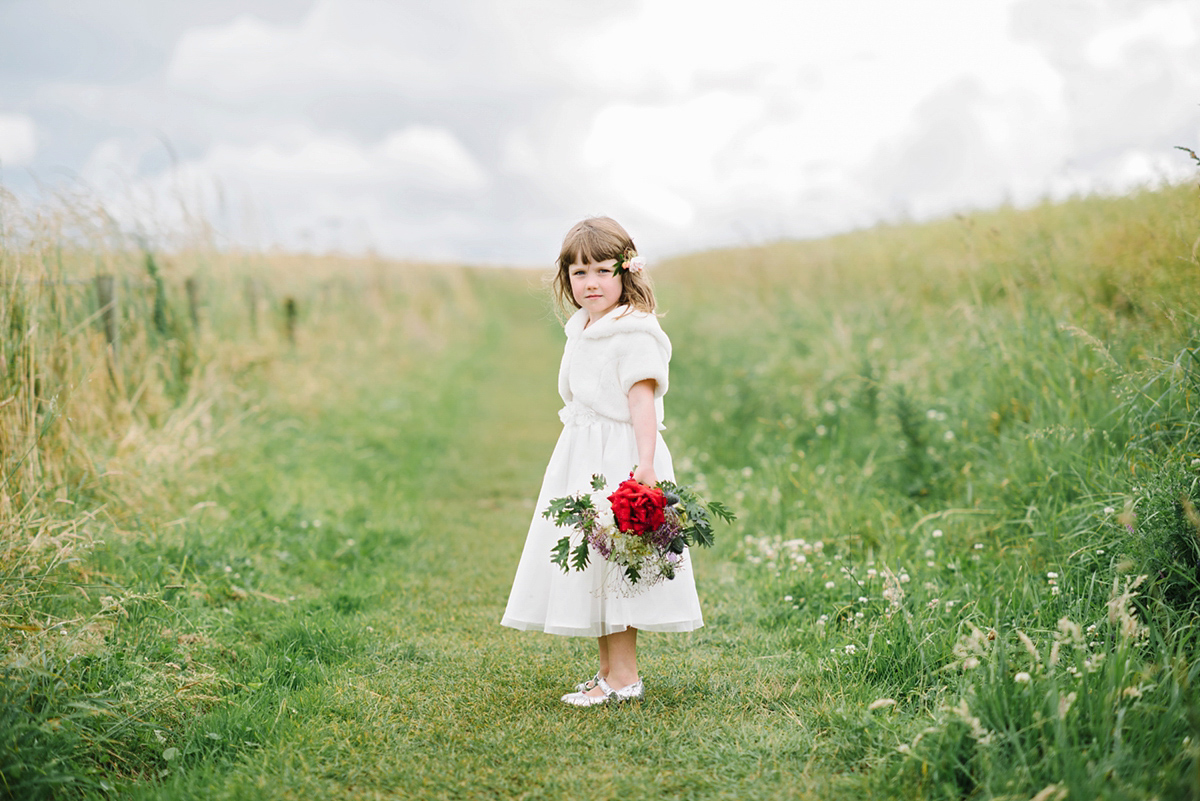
{"points": [[621, 320]]}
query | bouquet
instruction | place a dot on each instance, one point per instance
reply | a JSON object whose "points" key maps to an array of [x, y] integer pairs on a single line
{"points": [[644, 533]]}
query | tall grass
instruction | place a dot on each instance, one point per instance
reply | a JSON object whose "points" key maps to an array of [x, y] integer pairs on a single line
{"points": [[968, 457], [107, 446], [964, 456]]}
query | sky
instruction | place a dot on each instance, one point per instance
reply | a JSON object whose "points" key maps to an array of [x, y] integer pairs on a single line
{"points": [[479, 131]]}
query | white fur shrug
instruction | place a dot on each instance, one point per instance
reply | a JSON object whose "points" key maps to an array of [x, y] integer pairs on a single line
{"points": [[603, 361]]}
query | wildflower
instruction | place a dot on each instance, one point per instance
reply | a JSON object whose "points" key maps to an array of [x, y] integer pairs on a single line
{"points": [[822, 431], [1108, 510], [787, 598], [970, 663], [1022, 678], [880, 703], [1051, 575], [862, 599], [948, 436], [937, 533], [851, 649], [979, 546], [829, 585]]}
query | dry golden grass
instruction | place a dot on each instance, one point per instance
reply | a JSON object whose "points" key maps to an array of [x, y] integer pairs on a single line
{"points": [[96, 440]]}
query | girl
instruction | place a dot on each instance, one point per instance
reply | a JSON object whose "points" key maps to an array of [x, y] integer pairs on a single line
{"points": [[612, 379]]}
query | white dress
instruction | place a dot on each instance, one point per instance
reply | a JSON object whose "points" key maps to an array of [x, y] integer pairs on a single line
{"points": [[599, 366]]}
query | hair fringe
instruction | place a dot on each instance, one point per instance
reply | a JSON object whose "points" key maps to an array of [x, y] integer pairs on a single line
{"points": [[592, 240]]}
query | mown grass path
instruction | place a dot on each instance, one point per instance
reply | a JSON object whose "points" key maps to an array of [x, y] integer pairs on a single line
{"points": [[389, 675]]}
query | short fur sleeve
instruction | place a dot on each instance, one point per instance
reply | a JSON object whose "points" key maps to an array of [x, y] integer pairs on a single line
{"points": [[643, 356]]}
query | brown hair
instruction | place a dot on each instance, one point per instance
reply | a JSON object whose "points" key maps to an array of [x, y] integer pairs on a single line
{"points": [[593, 240]]}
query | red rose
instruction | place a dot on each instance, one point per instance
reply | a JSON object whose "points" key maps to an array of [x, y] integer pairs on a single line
{"points": [[637, 508]]}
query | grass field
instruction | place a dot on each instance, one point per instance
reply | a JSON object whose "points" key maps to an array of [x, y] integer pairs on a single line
{"points": [[965, 458]]}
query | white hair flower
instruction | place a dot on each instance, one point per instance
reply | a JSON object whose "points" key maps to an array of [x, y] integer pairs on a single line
{"points": [[635, 264]]}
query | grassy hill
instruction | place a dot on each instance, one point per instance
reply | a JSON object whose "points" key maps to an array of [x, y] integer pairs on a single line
{"points": [[254, 552]]}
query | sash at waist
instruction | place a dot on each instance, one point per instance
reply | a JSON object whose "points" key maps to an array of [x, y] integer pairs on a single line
{"points": [[576, 414]]}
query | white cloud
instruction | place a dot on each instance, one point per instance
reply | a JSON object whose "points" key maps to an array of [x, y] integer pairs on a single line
{"points": [[1170, 26], [313, 189], [249, 57], [18, 140], [488, 123]]}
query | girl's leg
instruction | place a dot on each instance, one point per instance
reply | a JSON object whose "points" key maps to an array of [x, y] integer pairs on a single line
{"points": [[618, 652], [603, 644]]}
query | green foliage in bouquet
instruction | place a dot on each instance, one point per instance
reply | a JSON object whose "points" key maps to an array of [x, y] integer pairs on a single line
{"points": [[647, 553]]}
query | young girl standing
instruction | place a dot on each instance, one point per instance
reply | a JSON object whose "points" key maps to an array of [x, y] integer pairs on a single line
{"points": [[612, 379]]}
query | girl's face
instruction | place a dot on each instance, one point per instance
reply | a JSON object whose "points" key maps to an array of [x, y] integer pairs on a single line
{"points": [[595, 287]]}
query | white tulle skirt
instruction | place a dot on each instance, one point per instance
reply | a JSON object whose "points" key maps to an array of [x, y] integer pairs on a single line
{"points": [[596, 601]]}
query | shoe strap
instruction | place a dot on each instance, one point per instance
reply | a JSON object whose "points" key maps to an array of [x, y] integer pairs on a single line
{"points": [[606, 688]]}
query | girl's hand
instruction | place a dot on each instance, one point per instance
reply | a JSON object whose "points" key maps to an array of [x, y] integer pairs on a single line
{"points": [[645, 475]]}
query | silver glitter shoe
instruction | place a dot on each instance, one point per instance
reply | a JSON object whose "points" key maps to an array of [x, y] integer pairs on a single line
{"points": [[584, 686], [634, 692]]}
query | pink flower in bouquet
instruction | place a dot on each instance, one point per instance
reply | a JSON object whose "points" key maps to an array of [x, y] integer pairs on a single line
{"points": [[638, 508]]}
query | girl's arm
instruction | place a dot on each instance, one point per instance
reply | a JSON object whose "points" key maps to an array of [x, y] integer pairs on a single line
{"points": [[645, 429]]}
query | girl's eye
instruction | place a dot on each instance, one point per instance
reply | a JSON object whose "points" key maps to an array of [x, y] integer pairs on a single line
{"points": [[605, 270]]}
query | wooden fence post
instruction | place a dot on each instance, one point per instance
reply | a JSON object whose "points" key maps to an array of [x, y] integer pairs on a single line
{"points": [[289, 313], [106, 300], [193, 295]]}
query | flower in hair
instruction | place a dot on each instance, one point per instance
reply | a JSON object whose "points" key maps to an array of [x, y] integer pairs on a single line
{"points": [[635, 264]]}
